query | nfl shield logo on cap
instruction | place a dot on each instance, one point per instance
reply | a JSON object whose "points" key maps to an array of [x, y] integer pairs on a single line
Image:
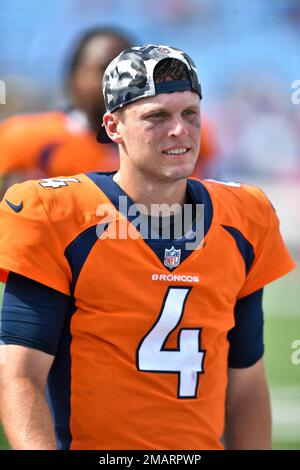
{"points": [[172, 257], [162, 50]]}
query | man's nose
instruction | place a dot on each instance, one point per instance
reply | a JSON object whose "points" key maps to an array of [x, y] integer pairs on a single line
{"points": [[178, 128]]}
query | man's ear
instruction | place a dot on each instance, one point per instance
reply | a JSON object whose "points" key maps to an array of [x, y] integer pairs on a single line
{"points": [[112, 123]]}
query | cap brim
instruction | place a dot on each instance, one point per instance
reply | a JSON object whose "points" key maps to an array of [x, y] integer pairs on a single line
{"points": [[102, 136]]}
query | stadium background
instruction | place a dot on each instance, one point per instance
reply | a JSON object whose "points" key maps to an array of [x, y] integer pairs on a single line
{"points": [[248, 58]]}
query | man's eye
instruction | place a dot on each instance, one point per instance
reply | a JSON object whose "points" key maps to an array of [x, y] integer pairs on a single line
{"points": [[189, 112], [158, 115]]}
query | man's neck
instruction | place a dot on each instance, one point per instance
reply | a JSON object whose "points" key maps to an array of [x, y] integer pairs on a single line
{"points": [[147, 191]]}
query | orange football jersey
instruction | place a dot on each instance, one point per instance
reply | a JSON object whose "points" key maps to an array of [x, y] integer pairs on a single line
{"points": [[52, 143], [148, 344]]}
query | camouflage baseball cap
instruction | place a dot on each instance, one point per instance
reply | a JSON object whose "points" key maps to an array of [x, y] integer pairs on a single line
{"points": [[129, 77]]}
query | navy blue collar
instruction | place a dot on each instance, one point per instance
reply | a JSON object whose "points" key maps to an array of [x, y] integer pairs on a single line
{"points": [[196, 193]]}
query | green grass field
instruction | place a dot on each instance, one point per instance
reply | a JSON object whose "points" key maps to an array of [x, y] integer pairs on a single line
{"points": [[282, 327]]}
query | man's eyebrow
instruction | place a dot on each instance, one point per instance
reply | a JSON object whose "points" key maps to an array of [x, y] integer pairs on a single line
{"points": [[164, 109], [157, 109], [192, 106]]}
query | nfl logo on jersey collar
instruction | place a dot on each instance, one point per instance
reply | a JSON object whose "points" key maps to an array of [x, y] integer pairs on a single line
{"points": [[172, 257]]}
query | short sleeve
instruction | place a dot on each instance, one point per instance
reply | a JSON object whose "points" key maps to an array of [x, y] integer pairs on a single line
{"points": [[271, 257], [246, 338], [29, 245], [33, 315]]}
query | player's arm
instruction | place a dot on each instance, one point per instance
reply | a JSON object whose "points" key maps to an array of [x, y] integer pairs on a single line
{"points": [[248, 412], [32, 320], [25, 413], [248, 417]]}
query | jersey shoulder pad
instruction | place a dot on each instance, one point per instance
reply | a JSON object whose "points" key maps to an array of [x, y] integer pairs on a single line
{"points": [[22, 201], [31, 244], [69, 196], [240, 201], [60, 198]]}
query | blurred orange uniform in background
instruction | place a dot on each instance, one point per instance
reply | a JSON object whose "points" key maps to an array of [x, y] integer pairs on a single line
{"points": [[51, 144]]}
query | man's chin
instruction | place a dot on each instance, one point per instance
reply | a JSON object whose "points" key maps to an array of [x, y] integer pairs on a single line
{"points": [[179, 173]]}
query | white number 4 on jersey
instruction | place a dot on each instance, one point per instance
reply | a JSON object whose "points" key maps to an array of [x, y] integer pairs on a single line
{"points": [[57, 182], [187, 360]]}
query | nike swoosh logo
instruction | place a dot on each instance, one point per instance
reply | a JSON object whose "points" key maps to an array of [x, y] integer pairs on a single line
{"points": [[15, 207]]}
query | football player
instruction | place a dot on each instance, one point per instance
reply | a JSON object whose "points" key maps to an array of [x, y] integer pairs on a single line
{"points": [[121, 337]]}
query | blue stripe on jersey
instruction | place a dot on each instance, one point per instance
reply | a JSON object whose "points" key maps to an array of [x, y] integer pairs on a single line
{"points": [[196, 193], [38, 317], [200, 195], [78, 250], [23, 320], [59, 385], [46, 154], [244, 246], [246, 337]]}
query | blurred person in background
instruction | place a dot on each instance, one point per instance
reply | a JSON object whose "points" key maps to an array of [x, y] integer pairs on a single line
{"points": [[208, 156], [63, 142]]}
